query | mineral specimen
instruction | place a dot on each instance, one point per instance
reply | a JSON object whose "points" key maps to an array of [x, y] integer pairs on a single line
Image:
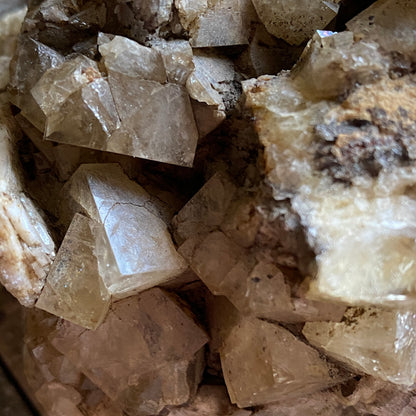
{"points": [[74, 289], [296, 21], [158, 343], [375, 341], [26, 246], [292, 243], [132, 243], [205, 21], [347, 169], [255, 372]]}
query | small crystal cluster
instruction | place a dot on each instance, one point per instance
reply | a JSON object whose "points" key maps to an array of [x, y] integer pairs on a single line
{"points": [[208, 206]]}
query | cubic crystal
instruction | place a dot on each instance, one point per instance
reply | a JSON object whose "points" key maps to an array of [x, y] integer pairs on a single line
{"points": [[133, 246], [154, 336], [375, 341], [74, 289]]}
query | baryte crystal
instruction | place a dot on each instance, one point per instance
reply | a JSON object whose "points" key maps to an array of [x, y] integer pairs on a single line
{"points": [[154, 336], [347, 180], [26, 246], [205, 21], [136, 76], [74, 289], [31, 60], [376, 341], [255, 373], [133, 246], [295, 21]]}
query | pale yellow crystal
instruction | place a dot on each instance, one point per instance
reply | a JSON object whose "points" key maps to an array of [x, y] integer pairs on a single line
{"points": [[263, 363], [74, 289], [378, 342]]}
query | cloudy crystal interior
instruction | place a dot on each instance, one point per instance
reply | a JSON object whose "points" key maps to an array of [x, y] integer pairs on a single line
{"points": [[207, 208]]}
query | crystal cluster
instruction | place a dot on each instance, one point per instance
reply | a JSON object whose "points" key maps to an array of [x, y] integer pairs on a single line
{"points": [[229, 187]]}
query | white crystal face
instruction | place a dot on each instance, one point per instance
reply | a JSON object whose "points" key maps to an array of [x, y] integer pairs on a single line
{"points": [[376, 341], [133, 246]]}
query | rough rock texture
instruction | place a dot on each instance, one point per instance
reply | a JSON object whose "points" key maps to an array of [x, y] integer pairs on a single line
{"points": [[345, 166], [290, 205], [26, 247]]}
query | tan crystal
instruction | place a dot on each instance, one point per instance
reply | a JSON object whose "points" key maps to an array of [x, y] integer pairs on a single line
{"points": [[378, 342], [133, 246], [264, 363], [205, 21], [74, 289], [136, 77], [154, 336], [295, 21]]}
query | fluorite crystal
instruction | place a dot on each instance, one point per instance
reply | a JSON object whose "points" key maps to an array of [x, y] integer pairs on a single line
{"points": [[295, 21], [275, 214], [157, 341], [132, 244], [375, 341], [255, 372], [74, 289]]}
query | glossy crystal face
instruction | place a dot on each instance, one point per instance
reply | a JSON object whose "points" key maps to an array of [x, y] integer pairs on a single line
{"points": [[208, 207]]}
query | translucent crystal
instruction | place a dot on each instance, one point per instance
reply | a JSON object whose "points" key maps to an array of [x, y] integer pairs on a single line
{"points": [[59, 387], [74, 289], [389, 23], [255, 288], [263, 363], [331, 64], [375, 341], [295, 21], [136, 77], [133, 246], [206, 210], [57, 84], [154, 336], [31, 60], [177, 58], [205, 21]]}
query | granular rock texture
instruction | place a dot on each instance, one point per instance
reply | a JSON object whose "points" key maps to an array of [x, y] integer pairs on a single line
{"points": [[229, 187]]}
